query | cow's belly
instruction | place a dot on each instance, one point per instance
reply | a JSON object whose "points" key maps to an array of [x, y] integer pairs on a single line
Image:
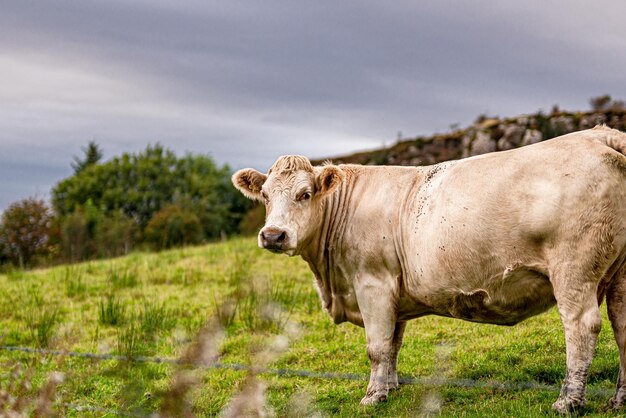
{"points": [[505, 299]]}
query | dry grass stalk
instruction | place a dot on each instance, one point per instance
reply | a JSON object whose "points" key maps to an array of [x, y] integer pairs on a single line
{"points": [[16, 400], [202, 352], [250, 402], [45, 401], [301, 404]]}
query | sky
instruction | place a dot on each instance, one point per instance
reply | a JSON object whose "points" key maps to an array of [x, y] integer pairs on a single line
{"points": [[248, 81]]}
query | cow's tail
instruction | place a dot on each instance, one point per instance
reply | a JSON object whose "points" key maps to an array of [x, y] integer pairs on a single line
{"points": [[612, 138]]}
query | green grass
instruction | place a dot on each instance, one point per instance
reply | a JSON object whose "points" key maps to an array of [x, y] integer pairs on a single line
{"points": [[154, 305]]}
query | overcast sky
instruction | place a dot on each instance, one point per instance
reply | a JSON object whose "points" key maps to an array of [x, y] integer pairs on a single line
{"points": [[248, 81]]}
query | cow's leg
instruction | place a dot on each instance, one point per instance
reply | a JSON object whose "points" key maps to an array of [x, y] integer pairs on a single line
{"points": [[376, 304], [396, 345], [616, 306], [578, 306]]}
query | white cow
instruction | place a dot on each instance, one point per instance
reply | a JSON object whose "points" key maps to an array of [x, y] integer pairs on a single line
{"points": [[495, 238]]}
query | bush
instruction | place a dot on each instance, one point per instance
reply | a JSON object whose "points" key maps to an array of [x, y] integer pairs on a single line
{"points": [[115, 235], [88, 232], [25, 231], [75, 240], [253, 221], [172, 226]]}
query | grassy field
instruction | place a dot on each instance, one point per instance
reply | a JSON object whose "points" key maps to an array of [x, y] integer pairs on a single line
{"points": [[154, 305]]}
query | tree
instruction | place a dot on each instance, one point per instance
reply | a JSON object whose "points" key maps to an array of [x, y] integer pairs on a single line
{"points": [[605, 102], [93, 155], [600, 102], [25, 231], [140, 185]]}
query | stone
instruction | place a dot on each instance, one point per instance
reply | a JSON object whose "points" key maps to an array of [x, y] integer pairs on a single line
{"points": [[482, 144], [562, 124], [531, 136], [504, 144], [513, 134], [591, 120]]}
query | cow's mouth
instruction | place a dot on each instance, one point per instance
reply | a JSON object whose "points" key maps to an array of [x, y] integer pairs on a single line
{"points": [[288, 251]]}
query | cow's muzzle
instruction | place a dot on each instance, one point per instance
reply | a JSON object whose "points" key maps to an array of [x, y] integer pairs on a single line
{"points": [[274, 239]]}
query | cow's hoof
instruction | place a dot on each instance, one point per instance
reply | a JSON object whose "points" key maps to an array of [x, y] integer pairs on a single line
{"points": [[374, 398], [568, 406]]}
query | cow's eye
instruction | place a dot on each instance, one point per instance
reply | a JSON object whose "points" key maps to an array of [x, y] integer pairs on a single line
{"points": [[304, 196], [264, 196]]}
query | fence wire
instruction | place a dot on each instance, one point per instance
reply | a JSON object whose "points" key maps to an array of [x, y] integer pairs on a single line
{"points": [[407, 380]]}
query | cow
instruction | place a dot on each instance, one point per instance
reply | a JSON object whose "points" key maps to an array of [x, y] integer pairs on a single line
{"points": [[495, 238]]}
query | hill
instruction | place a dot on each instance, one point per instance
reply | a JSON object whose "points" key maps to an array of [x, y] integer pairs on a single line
{"points": [[486, 135]]}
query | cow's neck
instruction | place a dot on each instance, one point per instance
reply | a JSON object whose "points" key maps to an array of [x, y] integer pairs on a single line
{"points": [[371, 204], [326, 246]]}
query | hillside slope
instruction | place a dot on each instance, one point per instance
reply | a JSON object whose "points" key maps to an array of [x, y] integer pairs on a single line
{"points": [[155, 305], [486, 135]]}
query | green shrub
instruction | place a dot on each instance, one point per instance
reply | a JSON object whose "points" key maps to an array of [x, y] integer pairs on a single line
{"points": [[89, 232], [173, 226], [115, 235], [75, 240], [253, 220]]}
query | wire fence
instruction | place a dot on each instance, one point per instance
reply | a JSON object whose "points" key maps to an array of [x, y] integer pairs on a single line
{"points": [[407, 380]]}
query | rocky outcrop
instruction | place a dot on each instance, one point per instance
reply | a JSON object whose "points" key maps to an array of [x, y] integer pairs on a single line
{"points": [[486, 135]]}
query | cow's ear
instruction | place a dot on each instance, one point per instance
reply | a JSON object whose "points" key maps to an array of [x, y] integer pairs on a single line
{"points": [[249, 182], [328, 178]]}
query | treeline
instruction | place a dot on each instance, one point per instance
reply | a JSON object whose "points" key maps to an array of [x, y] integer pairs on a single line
{"points": [[150, 199]]}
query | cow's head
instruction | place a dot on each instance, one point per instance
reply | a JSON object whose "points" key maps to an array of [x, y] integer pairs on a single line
{"points": [[292, 191]]}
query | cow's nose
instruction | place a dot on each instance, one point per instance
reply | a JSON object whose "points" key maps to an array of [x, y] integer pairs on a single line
{"points": [[273, 238]]}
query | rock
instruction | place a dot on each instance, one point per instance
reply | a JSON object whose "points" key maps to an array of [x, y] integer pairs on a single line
{"points": [[482, 144], [591, 120], [562, 124], [617, 123], [504, 144], [531, 136], [513, 135], [466, 143], [412, 150]]}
